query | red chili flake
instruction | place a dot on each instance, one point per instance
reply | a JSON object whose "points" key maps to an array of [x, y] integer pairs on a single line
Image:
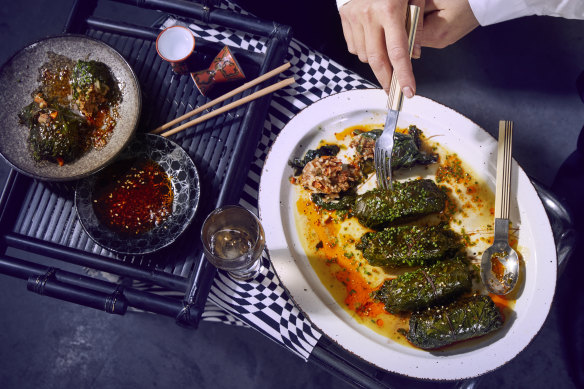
{"points": [[133, 196]]}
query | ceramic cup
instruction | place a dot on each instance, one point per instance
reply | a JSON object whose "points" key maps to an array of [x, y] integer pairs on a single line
{"points": [[224, 68], [233, 240], [176, 45]]}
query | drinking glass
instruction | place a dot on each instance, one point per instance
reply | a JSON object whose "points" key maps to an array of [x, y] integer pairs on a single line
{"points": [[233, 240]]}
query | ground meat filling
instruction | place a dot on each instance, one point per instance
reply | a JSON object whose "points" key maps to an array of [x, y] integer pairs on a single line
{"points": [[91, 99], [328, 175], [365, 147]]}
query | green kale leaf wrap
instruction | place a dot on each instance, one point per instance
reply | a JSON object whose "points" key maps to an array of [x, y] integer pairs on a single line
{"points": [[463, 319], [343, 203], [323, 151], [409, 245], [93, 87], [407, 201], [425, 287], [93, 76], [56, 133], [407, 149]]}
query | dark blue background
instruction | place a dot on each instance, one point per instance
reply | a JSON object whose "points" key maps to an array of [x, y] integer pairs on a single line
{"points": [[523, 70]]}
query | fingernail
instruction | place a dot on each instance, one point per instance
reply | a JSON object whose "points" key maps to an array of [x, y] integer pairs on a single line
{"points": [[408, 92]]}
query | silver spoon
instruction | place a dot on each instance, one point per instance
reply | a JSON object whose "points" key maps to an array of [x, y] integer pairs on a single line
{"points": [[500, 264]]}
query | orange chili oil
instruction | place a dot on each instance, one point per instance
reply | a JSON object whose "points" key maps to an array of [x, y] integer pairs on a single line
{"points": [[133, 196], [55, 76], [102, 126], [496, 266]]}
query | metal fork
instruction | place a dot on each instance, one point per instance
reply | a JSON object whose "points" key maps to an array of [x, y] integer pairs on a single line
{"points": [[384, 144]]}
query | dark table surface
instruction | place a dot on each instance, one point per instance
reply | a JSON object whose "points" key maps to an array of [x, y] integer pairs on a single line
{"points": [[523, 70]]}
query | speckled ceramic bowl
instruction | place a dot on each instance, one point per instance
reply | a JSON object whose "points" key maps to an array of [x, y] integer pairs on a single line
{"points": [[19, 78], [185, 184]]}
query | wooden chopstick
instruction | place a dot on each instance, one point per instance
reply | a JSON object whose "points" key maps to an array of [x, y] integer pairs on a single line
{"points": [[232, 105], [245, 86]]}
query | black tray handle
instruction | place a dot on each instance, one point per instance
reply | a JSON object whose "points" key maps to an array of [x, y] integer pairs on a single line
{"points": [[150, 33], [47, 285], [205, 12], [93, 261], [63, 284], [78, 15]]}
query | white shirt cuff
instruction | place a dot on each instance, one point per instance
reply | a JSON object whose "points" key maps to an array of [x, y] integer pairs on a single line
{"points": [[340, 3], [570, 9], [495, 11]]}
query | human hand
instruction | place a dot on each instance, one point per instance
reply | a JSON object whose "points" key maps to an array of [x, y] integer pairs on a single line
{"points": [[375, 31], [446, 21]]}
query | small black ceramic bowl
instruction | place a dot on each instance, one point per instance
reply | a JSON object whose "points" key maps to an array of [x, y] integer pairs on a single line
{"points": [[184, 179]]}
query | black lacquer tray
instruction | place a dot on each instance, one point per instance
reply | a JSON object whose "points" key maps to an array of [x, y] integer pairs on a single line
{"points": [[38, 219]]}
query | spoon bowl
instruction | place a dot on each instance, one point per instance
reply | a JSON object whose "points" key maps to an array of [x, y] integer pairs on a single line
{"points": [[500, 263]]}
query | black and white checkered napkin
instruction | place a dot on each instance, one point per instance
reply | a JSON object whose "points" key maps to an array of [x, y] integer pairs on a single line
{"points": [[263, 303]]}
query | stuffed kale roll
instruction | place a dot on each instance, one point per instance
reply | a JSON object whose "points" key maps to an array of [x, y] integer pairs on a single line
{"points": [[407, 201], [425, 287], [407, 149], [93, 87], [56, 132], [409, 245], [461, 320]]}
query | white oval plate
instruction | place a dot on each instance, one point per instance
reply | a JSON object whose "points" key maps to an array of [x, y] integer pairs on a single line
{"points": [[474, 146]]}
